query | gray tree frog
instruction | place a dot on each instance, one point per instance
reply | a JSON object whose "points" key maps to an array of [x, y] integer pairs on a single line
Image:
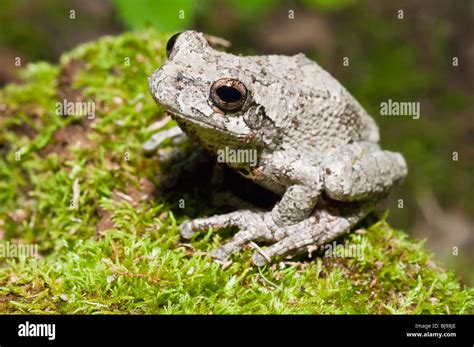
{"points": [[316, 146]]}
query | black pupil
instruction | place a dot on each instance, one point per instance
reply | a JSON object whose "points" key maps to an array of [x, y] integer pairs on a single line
{"points": [[228, 94], [170, 44]]}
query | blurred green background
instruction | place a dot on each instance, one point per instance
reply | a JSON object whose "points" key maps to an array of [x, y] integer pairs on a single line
{"points": [[403, 59]]}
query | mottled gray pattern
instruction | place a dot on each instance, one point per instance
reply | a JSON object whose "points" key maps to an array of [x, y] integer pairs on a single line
{"points": [[317, 147]]}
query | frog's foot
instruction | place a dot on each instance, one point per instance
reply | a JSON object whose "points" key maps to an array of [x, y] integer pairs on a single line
{"points": [[323, 226], [173, 133], [253, 225]]}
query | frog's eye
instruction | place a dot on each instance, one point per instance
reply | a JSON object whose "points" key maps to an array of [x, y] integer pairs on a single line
{"points": [[170, 44], [228, 94]]}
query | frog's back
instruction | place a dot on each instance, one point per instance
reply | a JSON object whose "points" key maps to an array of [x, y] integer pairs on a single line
{"points": [[314, 111]]}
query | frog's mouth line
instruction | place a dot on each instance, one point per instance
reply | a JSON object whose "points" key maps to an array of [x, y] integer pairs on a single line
{"points": [[203, 124]]}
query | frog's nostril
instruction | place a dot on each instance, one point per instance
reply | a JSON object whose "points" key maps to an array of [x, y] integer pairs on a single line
{"points": [[183, 80], [179, 77]]}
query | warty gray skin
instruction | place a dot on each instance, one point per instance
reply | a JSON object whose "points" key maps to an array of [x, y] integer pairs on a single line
{"points": [[317, 147]]}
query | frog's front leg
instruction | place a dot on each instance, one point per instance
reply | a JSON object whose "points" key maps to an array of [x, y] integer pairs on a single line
{"points": [[253, 225], [297, 203], [175, 133], [304, 185]]}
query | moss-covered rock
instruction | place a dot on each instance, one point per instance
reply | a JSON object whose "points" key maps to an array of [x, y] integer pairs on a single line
{"points": [[117, 249]]}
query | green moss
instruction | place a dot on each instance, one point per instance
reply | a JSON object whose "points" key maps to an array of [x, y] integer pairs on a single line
{"points": [[139, 265]]}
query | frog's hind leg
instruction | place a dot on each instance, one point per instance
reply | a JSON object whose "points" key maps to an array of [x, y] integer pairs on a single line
{"points": [[324, 225], [361, 170]]}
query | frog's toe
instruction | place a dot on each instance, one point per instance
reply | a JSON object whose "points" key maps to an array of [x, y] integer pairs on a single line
{"points": [[186, 230], [221, 254], [157, 138], [258, 259]]}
